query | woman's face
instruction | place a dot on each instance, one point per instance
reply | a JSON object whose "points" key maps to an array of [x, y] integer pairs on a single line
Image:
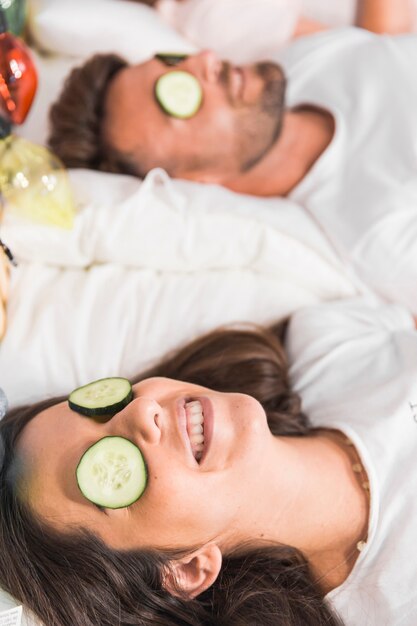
{"points": [[187, 502]]}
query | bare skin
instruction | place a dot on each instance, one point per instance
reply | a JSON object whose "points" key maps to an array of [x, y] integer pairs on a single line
{"points": [[242, 137], [385, 16], [306, 493], [289, 160]]}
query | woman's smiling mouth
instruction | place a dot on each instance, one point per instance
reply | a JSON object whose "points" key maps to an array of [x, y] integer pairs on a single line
{"points": [[195, 427], [195, 416]]}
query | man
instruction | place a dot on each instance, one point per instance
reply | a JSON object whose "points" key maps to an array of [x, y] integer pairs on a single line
{"points": [[340, 139], [127, 130]]}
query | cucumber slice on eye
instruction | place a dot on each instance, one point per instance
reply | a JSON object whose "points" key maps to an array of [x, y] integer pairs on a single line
{"points": [[106, 396], [179, 94], [112, 473]]}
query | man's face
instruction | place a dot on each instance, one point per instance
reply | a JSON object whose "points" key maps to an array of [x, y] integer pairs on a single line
{"points": [[238, 122]]}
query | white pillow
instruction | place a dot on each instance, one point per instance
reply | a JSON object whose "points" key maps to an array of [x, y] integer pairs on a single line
{"points": [[82, 28], [173, 258], [176, 226]]}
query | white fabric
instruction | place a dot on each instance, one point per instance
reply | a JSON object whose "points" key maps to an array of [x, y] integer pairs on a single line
{"points": [[68, 327], [259, 26], [12, 614], [11, 617], [178, 260], [363, 189], [82, 28], [355, 366], [180, 226], [330, 12]]}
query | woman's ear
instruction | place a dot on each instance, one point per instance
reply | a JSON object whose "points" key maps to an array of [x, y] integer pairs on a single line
{"points": [[194, 573]]}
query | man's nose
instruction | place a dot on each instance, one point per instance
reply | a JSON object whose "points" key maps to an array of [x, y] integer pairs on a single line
{"points": [[211, 65], [140, 421]]}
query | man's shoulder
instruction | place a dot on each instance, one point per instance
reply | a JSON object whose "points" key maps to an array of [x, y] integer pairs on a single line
{"points": [[322, 44]]}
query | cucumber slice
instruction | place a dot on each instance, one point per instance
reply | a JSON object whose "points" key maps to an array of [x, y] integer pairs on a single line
{"points": [[171, 58], [106, 396], [179, 94], [112, 473]]}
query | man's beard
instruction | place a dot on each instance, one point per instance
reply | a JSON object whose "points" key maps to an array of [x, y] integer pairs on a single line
{"points": [[261, 127]]}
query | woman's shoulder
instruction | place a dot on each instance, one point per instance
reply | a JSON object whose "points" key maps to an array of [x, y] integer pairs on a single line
{"points": [[354, 361], [318, 331], [381, 586], [354, 364]]}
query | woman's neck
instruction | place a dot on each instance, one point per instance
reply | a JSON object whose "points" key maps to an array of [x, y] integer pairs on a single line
{"points": [[310, 498]]}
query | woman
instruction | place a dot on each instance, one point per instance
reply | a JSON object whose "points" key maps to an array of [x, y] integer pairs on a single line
{"points": [[267, 522], [261, 27]]}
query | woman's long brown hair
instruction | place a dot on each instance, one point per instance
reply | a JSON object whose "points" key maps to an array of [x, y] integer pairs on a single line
{"points": [[77, 580]]}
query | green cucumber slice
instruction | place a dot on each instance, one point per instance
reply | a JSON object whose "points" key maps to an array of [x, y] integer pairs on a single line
{"points": [[112, 473], [179, 94], [171, 58], [106, 396]]}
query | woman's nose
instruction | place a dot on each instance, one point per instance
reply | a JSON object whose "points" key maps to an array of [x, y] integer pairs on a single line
{"points": [[211, 65], [140, 419]]}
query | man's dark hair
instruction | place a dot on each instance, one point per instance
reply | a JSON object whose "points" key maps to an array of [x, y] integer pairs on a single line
{"points": [[76, 134]]}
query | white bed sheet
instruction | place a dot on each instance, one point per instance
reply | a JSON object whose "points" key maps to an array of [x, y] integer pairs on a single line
{"points": [[146, 267]]}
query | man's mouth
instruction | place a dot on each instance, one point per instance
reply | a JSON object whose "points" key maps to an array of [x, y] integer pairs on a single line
{"points": [[232, 77], [239, 83]]}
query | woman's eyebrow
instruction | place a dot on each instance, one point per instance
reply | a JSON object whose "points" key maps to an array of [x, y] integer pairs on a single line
{"points": [[100, 508]]}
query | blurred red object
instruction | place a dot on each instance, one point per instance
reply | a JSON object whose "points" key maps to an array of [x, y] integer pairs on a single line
{"points": [[18, 77]]}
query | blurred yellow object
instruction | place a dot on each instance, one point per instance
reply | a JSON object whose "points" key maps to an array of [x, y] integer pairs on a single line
{"points": [[34, 183], [4, 290]]}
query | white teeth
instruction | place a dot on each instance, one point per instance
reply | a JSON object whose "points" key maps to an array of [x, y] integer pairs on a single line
{"points": [[196, 439], [194, 412], [196, 418], [195, 421], [193, 405]]}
